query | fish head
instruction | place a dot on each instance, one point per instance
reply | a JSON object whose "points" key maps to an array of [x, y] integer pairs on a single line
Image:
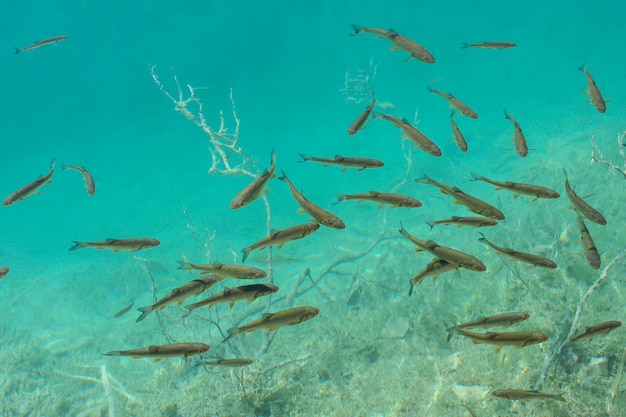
{"points": [[535, 338], [427, 57], [334, 222], [309, 313]]}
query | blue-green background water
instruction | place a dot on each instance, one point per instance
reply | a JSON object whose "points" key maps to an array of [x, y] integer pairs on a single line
{"points": [[91, 101]]}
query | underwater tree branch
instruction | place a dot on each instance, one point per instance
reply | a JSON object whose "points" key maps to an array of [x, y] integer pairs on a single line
{"points": [[598, 157], [550, 358]]}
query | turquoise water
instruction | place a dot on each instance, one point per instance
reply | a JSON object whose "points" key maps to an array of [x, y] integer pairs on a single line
{"points": [[372, 351]]}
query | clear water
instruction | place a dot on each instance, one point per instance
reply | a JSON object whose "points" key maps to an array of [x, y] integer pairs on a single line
{"points": [[372, 351]]}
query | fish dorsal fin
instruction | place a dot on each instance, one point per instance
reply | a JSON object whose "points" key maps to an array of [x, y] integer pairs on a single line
{"points": [[153, 349], [266, 315], [339, 156], [110, 240]]}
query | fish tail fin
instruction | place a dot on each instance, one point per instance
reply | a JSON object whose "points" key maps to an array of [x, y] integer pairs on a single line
{"points": [[425, 179], [305, 157], [144, 312], [559, 397], [17, 50], [431, 224], [482, 238], [246, 253], [357, 29], [564, 172], [477, 177], [113, 353], [273, 157], [340, 198], [78, 245], [452, 113], [376, 115], [284, 176], [465, 45], [53, 164], [233, 331], [184, 265], [451, 332], [581, 68], [411, 288], [189, 310], [507, 115], [432, 90]]}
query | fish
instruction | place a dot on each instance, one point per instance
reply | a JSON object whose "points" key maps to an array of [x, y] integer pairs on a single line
{"points": [[39, 44], [125, 310], [591, 251], [518, 137], [320, 215], [256, 187], [474, 204], [180, 294], [453, 256], [519, 188], [582, 207], [4, 271], [232, 295], [380, 33], [89, 182], [457, 134], [273, 321], [435, 268], [31, 188], [520, 394], [280, 237], [528, 258], [456, 103], [116, 245], [489, 45], [228, 363], [469, 410], [516, 339], [596, 330], [498, 320], [593, 91], [159, 352], [345, 161], [360, 121], [419, 139], [414, 49], [226, 270], [464, 221], [394, 200]]}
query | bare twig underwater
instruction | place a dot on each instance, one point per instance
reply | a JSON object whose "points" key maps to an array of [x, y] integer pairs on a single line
{"points": [[227, 157], [598, 158], [557, 347]]}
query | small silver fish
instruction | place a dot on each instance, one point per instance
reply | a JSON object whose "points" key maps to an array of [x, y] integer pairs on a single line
{"points": [[132, 244], [280, 237], [520, 394], [273, 321], [256, 187], [39, 44], [593, 91], [596, 330], [89, 182], [518, 137], [456, 103], [159, 352], [31, 188], [528, 258], [345, 161], [360, 121]]}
